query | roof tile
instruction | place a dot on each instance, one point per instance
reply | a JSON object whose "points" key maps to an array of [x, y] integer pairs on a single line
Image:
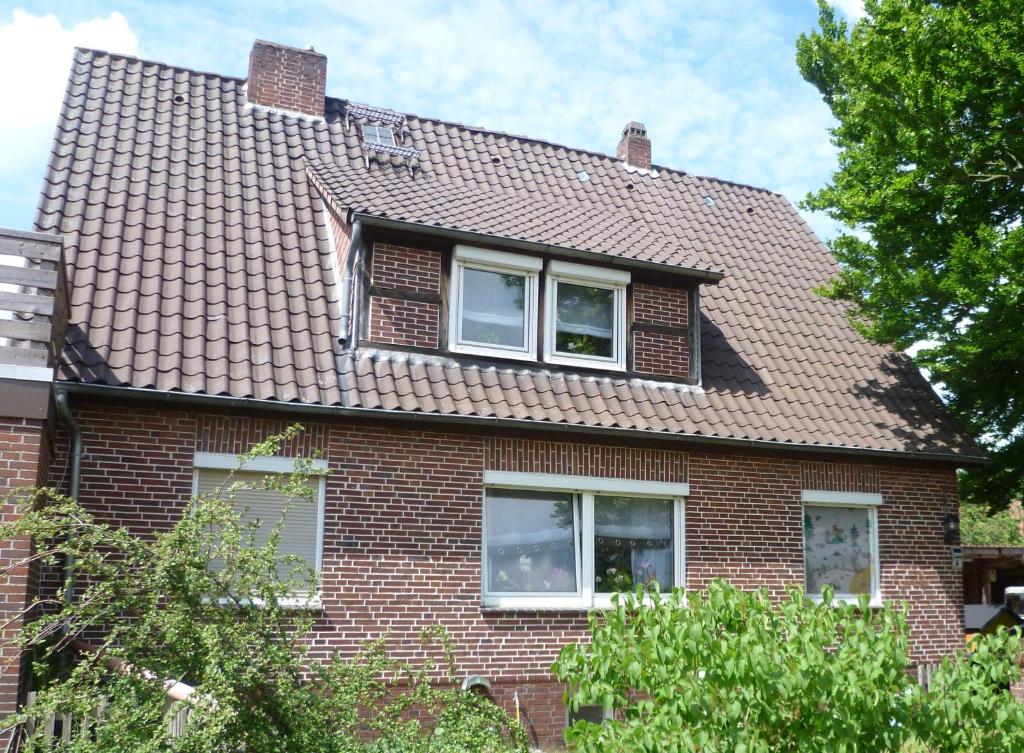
{"points": [[199, 262]]}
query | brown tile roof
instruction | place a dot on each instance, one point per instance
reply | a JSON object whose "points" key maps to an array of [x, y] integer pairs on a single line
{"points": [[583, 217], [199, 261]]}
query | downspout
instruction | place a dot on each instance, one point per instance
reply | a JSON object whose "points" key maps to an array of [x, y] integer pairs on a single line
{"points": [[64, 411], [354, 247]]}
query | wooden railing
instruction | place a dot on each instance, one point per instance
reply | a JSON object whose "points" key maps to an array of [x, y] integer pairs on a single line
{"points": [[33, 299], [65, 728]]}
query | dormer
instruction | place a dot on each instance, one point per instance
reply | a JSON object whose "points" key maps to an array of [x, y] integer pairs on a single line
{"points": [[427, 269], [485, 304]]}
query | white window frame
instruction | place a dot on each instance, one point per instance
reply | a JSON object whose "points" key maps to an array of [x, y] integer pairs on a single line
{"points": [[852, 500], [615, 280], [606, 713], [227, 462], [486, 260], [587, 488], [376, 135]]}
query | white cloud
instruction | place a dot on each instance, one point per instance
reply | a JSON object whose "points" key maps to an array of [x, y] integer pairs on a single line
{"points": [[38, 50], [852, 9], [715, 83]]}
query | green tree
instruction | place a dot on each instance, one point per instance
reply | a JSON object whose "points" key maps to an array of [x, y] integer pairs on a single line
{"points": [[156, 607], [981, 527], [929, 99], [728, 671]]}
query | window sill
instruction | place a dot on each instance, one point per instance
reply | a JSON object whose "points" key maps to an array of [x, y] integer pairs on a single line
{"points": [[480, 350], [876, 602], [295, 603], [601, 603], [586, 363]]}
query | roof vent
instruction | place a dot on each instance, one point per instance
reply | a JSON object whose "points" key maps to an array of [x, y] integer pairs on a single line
{"points": [[583, 175], [709, 200], [635, 147]]}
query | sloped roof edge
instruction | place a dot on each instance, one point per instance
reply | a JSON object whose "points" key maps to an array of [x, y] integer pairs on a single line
{"points": [[176, 397]]}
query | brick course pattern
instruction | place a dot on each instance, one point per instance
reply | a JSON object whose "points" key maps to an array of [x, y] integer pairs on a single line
{"points": [[341, 237], [661, 353], [636, 151], [24, 462], [402, 546], [577, 459], [405, 268], [287, 78], [394, 318], [398, 322], [840, 477]]}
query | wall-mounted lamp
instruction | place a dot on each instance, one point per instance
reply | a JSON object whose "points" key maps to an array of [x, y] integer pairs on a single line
{"points": [[951, 528]]}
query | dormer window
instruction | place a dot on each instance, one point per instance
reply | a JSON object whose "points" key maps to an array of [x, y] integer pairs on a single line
{"points": [[585, 317], [494, 304], [375, 134]]}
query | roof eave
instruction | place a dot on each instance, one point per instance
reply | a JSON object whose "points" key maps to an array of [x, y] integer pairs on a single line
{"points": [[141, 393], [372, 220]]}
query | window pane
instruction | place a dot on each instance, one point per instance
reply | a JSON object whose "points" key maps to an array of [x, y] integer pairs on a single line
{"points": [[530, 543], [632, 543], [593, 714], [378, 135], [493, 308], [265, 507], [585, 320], [837, 549]]}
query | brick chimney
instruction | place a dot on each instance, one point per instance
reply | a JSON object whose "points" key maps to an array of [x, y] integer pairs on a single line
{"points": [[287, 78], [635, 147]]}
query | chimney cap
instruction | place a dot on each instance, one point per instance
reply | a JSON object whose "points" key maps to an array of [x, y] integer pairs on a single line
{"points": [[305, 50], [634, 128]]}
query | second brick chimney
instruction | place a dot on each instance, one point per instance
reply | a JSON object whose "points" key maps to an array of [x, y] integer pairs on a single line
{"points": [[287, 78], [635, 148]]}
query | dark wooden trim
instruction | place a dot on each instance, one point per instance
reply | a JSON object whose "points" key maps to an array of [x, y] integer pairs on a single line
{"points": [[660, 329], [696, 368], [403, 294], [380, 236]]}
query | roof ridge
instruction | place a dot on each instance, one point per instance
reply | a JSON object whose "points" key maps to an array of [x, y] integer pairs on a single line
{"points": [[558, 145], [150, 61], [457, 124]]}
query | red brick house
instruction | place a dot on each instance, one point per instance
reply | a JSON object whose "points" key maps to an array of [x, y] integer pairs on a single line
{"points": [[536, 373]]}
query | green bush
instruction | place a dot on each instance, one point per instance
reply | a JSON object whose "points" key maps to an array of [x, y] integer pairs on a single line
{"points": [[728, 671], [157, 604]]}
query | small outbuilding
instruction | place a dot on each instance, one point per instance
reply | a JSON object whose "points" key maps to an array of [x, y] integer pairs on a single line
{"points": [[983, 619]]}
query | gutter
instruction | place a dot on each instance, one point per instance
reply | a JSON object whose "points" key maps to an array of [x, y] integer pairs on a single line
{"points": [[705, 275], [64, 411], [519, 424]]}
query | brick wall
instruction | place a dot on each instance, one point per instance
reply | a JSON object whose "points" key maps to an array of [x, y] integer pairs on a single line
{"points": [[24, 462], [916, 564], [661, 336], [287, 78], [341, 237], [405, 296], [403, 546]]}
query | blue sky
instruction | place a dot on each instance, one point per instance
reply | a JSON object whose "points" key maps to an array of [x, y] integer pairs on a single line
{"points": [[715, 82]]}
